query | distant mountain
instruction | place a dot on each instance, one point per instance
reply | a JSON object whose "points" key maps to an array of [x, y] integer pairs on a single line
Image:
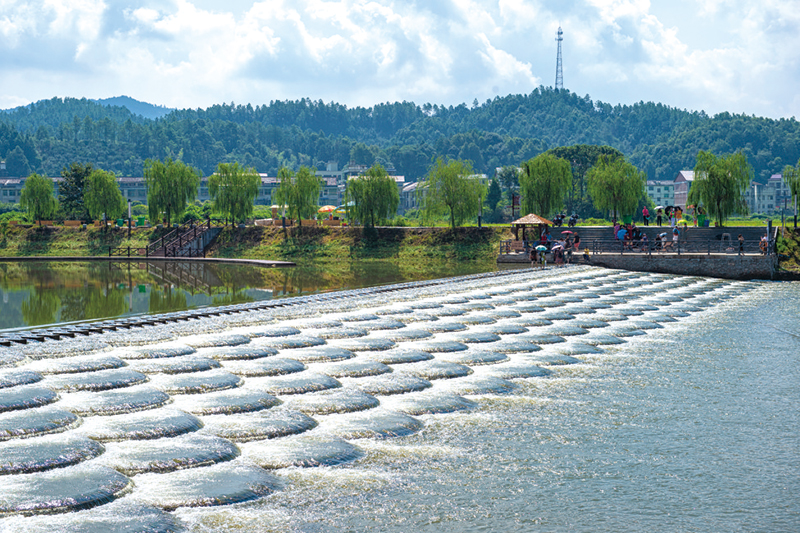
{"points": [[136, 107], [120, 134]]}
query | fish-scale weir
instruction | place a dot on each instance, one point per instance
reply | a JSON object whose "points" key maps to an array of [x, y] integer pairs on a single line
{"points": [[180, 416]]}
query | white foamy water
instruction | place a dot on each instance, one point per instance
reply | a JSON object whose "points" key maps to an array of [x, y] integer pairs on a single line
{"points": [[223, 425]]}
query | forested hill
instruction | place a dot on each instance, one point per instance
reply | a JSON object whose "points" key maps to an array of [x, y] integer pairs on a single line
{"points": [[47, 135]]}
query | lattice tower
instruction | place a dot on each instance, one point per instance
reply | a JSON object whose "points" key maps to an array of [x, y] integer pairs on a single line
{"points": [[559, 73]]}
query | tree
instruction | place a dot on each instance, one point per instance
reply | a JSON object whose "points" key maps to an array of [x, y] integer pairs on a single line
{"points": [[374, 195], [451, 188], [509, 178], [101, 194], [17, 163], [581, 158], [37, 197], [493, 211], [70, 191], [544, 182], [300, 192], [720, 183], [791, 176], [361, 154], [615, 185], [233, 189], [494, 195], [170, 185]]}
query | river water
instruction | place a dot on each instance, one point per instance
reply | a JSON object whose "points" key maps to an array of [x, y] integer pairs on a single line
{"points": [[42, 293], [689, 423]]}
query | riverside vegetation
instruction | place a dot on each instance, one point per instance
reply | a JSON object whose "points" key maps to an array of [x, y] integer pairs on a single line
{"points": [[415, 248]]}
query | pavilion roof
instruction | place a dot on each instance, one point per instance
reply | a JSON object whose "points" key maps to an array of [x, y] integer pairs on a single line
{"points": [[531, 219]]}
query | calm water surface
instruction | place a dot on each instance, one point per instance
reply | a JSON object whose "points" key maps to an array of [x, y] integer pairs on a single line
{"points": [[42, 293]]}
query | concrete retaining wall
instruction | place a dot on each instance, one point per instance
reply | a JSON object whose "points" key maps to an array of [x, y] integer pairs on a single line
{"points": [[198, 245], [742, 267], [727, 266]]}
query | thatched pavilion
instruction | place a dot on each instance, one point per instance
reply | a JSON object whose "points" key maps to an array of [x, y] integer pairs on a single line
{"points": [[527, 222]]}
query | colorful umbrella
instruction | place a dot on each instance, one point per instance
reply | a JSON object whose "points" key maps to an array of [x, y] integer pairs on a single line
{"points": [[567, 231], [326, 209]]}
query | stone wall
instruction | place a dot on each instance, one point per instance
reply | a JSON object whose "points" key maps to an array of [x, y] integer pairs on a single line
{"points": [[742, 267], [727, 266]]}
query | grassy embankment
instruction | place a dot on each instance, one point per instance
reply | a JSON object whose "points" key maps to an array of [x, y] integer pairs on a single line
{"points": [[61, 241], [413, 247], [416, 247], [789, 249]]}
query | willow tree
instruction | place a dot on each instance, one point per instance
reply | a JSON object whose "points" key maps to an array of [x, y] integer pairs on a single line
{"points": [[37, 197], [615, 185], [543, 183], [170, 185], [451, 189], [299, 192], [581, 158], [721, 183], [233, 189], [374, 196], [791, 176], [101, 194]]}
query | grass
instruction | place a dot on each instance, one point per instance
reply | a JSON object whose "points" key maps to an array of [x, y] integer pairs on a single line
{"points": [[324, 245], [59, 241], [789, 246]]}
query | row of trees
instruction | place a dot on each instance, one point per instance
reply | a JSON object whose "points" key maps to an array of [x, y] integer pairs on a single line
{"points": [[88, 193], [451, 189], [100, 196], [613, 184]]}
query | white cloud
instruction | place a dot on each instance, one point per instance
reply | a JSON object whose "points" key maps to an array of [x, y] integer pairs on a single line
{"points": [[716, 55]]}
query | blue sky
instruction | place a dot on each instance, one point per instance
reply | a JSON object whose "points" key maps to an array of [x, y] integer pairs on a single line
{"points": [[712, 55]]}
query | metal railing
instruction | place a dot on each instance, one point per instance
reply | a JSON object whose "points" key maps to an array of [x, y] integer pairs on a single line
{"points": [[512, 246], [704, 246], [176, 243]]}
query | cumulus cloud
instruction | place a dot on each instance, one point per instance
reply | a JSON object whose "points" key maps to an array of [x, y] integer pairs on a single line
{"points": [[716, 55]]}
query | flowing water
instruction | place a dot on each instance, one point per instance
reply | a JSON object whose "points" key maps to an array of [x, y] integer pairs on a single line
{"points": [[576, 399]]}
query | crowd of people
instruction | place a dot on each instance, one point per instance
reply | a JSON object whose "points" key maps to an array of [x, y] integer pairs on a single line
{"points": [[561, 249], [670, 214], [634, 238]]}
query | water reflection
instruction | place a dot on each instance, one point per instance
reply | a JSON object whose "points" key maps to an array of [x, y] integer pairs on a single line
{"points": [[42, 293]]}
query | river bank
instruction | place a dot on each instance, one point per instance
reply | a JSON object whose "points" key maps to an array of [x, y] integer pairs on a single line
{"points": [[322, 247], [307, 245]]}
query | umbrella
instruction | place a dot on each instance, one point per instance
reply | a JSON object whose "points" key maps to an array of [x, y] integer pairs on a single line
{"points": [[662, 234], [326, 209], [557, 247], [565, 232], [659, 207], [541, 248]]}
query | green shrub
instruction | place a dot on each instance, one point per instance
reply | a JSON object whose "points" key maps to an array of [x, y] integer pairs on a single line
{"points": [[594, 222]]}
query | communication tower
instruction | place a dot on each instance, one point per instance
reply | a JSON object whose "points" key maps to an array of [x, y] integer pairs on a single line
{"points": [[559, 73]]}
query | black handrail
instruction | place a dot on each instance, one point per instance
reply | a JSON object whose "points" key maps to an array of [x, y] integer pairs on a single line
{"points": [[694, 246], [173, 244]]}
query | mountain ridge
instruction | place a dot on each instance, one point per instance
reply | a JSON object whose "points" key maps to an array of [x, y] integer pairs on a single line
{"points": [[502, 131]]}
